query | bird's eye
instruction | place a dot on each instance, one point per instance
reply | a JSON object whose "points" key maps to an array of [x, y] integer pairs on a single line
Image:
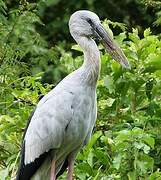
{"points": [[89, 21]]}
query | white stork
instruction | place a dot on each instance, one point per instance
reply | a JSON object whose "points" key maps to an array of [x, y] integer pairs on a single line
{"points": [[63, 120]]}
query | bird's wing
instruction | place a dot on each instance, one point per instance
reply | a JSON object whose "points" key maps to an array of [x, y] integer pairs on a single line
{"points": [[47, 127], [45, 130]]}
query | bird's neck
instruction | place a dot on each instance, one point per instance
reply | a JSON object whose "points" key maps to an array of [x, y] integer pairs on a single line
{"points": [[91, 65]]}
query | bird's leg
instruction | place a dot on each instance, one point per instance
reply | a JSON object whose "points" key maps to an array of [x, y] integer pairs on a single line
{"points": [[70, 167], [52, 172]]}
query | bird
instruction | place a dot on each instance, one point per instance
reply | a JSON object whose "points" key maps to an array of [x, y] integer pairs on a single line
{"points": [[63, 120]]}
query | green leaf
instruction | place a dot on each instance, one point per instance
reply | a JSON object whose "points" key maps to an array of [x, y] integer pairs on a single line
{"points": [[150, 141], [123, 135], [90, 158], [102, 156], [77, 48], [155, 176], [132, 175], [110, 102], [117, 161], [97, 175], [134, 36], [144, 163], [147, 32], [122, 36], [4, 174], [85, 167], [153, 63], [139, 145], [146, 149], [92, 142], [109, 84]]}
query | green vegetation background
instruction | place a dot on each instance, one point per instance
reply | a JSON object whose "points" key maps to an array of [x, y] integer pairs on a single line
{"points": [[37, 51]]}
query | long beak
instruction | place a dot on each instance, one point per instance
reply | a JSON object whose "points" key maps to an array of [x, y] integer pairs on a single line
{"points": [[110, 45]]}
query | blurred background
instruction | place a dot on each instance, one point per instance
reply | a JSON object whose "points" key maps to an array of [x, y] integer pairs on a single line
{"points": [[55, 14]]}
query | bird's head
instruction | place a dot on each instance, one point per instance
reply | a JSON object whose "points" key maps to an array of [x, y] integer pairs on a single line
{"points": [[85, 23]]}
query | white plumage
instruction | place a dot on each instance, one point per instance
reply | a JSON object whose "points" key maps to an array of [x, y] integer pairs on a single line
{"points": [[64, 119]]}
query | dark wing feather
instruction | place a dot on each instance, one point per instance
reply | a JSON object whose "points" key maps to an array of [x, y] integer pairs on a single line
{"points": [[25, 172]]}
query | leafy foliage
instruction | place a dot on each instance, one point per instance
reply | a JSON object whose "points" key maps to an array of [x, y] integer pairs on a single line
{"points": [[127, 139]]}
